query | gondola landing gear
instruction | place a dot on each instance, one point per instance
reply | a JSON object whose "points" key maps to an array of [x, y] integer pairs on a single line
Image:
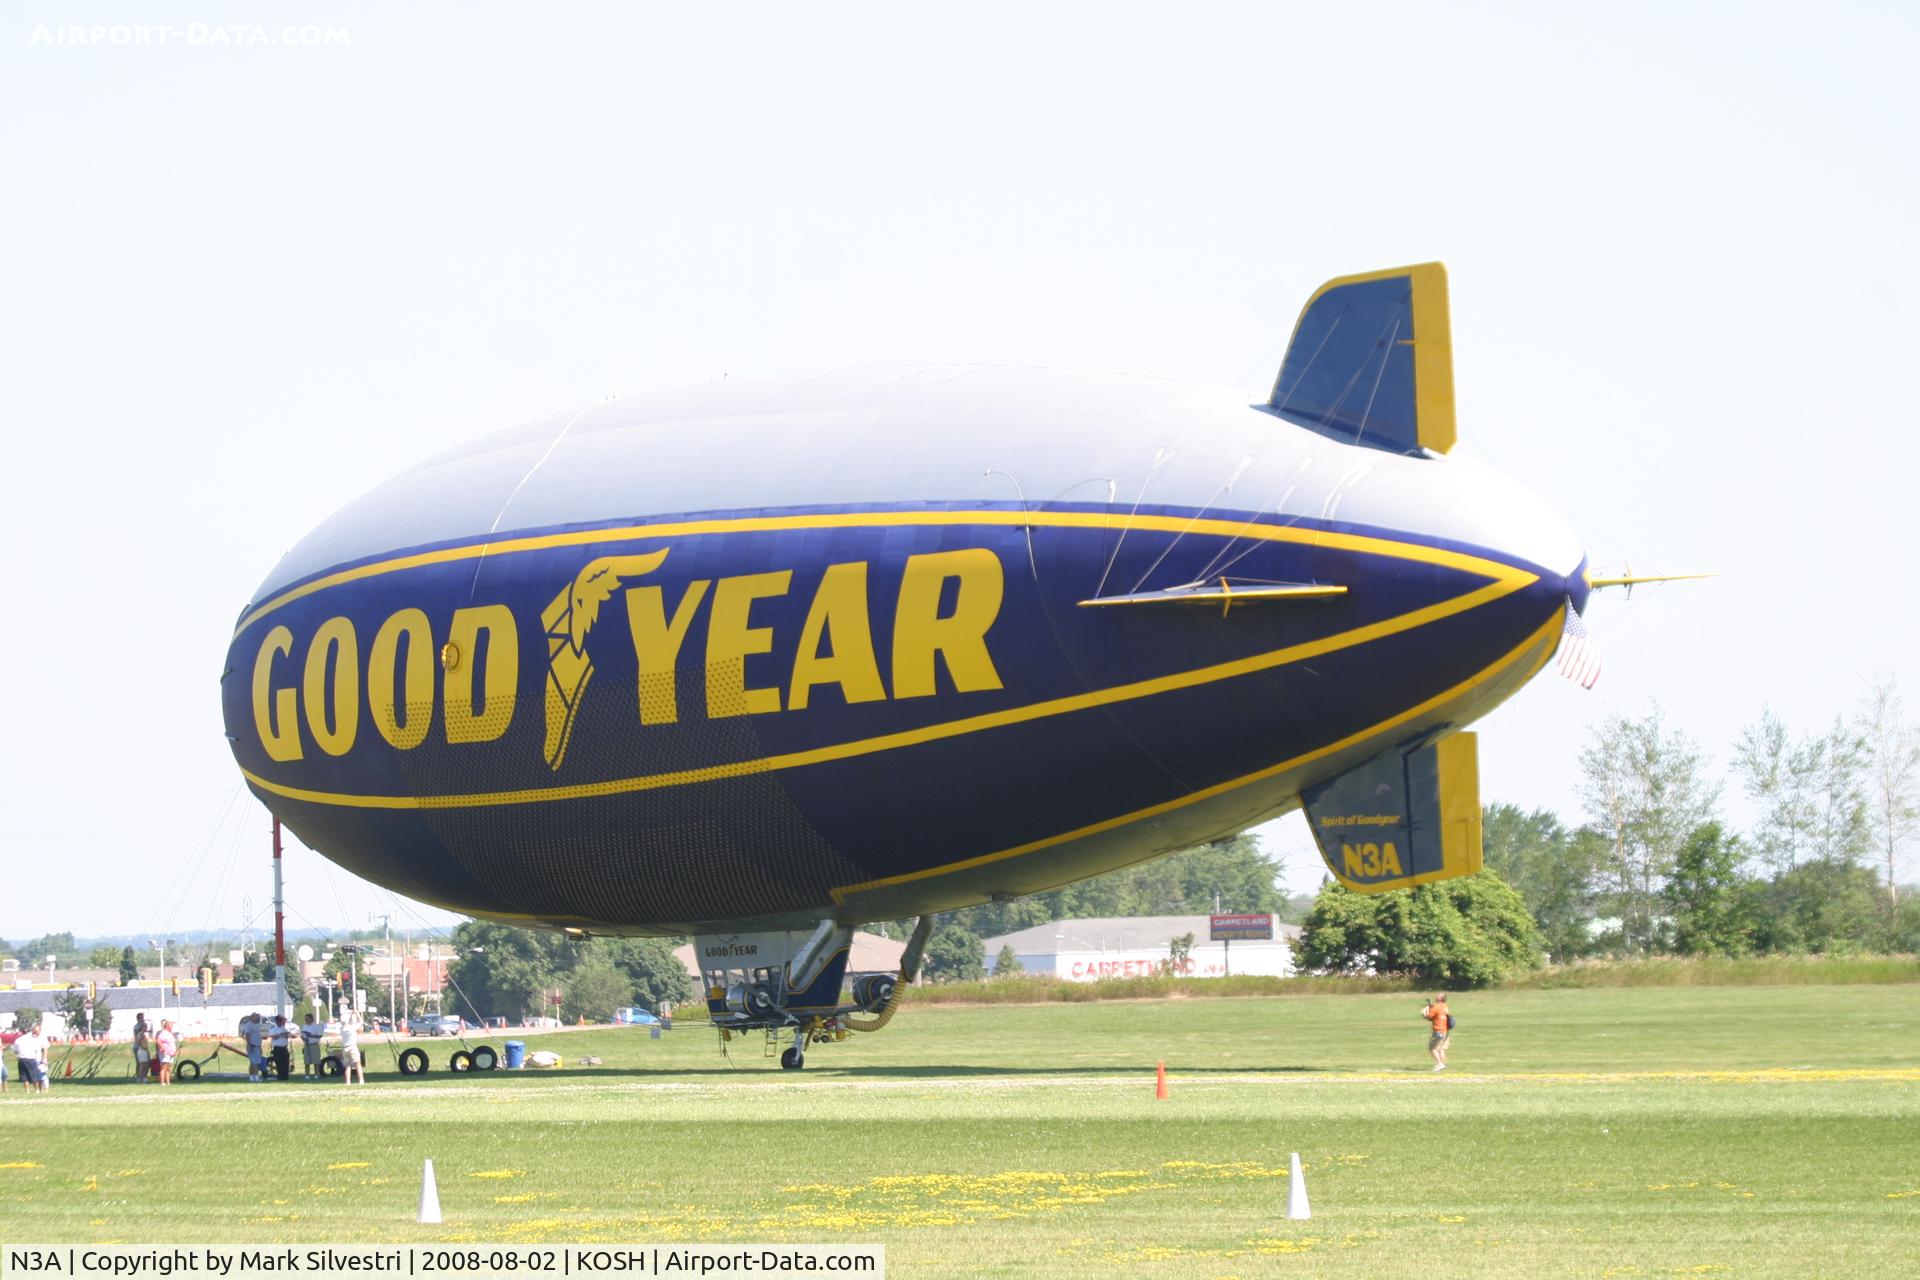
{"points": [[794, 1057]]}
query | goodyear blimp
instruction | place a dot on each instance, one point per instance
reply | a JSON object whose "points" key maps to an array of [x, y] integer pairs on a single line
{"points": [[759, 661]]}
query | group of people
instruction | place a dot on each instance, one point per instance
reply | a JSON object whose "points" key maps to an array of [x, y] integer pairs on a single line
{"points": [[154, 1051], [270, 1047]]}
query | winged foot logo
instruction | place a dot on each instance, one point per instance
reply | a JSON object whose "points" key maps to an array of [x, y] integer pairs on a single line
{"points": [[567, 621]]}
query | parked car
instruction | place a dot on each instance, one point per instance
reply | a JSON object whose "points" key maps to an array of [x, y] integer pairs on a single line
{"points": [[444, 1024], [634, 1017]]}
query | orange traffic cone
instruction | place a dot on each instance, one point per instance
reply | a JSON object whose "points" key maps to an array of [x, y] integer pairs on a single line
{"points": [[1160, 1081], [69, 1068]]}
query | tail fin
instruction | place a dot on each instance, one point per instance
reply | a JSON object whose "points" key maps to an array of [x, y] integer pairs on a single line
{"points": [[1402, 818], [1371, 361]]}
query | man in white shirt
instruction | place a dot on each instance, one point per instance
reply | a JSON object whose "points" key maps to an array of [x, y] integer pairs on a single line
{"points": [[31, 1050], [282, 1047], [313, 1035], [350, 1048]]}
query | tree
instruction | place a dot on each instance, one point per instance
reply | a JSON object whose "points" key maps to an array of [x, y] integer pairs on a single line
{"points": [[1821, 906], [1892, 776], [257, 966], [1006, 964], [103, 957], [1464, 932], [1179, 955], [1552, 868], [654, 974], [594, 988], [25, 1019], [1644, 791], [1233, 873], [1809, 789], [955, 954], [1704, 896], [129, 966], [1840, 831], [61, 946], [506, 971]]}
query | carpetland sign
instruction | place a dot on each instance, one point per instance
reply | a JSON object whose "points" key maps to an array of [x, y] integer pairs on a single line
{"points": [[1255, 927]]}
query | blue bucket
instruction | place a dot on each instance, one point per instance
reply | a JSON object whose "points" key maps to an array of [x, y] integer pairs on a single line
{"points": [[516, 1054]]}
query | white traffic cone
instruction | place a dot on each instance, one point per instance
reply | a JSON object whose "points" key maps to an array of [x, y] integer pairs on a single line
{"points": [[1296, 1190], [430, 1195]]}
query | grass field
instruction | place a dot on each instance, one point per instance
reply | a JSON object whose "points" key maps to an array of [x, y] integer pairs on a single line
{"points": [[1761, 1131]]}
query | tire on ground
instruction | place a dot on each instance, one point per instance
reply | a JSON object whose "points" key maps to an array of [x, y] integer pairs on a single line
{"points": [[460, 1061], [413, 1061], [331, 1065], [187, 1070], [484, 1058]]}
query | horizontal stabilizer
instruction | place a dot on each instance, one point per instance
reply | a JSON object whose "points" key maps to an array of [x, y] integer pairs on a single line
{"points": [[1225, 592], [1403, 818], [1371, 361]]}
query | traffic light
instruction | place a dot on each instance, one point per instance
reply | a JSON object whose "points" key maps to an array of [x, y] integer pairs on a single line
{"points": [[206, 983], [93, 990], [174, 983]]}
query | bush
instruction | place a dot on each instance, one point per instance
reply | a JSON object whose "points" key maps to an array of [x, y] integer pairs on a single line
{"points": [[1466, 932]]}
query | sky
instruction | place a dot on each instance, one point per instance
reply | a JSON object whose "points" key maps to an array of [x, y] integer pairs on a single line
{"points": [[256, 258]]}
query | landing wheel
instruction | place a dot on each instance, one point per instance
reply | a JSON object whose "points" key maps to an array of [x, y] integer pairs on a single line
{"points": [[484, 1058], [792, 1059], [460, 1061], [413, 1061]]}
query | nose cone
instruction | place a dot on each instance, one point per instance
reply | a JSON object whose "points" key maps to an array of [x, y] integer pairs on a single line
{"points": [[1464, 503]]}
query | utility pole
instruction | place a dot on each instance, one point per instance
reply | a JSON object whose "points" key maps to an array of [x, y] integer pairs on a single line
{"points": [[386, 928], [279, 930]]}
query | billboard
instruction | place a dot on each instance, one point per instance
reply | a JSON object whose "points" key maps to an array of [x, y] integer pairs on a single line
{"points": [[1254, 927]]}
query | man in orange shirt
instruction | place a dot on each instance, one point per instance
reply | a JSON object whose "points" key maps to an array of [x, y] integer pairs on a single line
{"points": [[1436, 1013]]}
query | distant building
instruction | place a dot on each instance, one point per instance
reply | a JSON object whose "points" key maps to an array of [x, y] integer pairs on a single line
{"points": [[191, 1014], [1137, 947]]}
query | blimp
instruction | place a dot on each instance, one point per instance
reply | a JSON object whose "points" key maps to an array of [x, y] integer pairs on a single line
{"points": [[761, 660]]}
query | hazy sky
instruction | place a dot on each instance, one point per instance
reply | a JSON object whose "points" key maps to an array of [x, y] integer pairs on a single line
{"points": [[242, 282]]}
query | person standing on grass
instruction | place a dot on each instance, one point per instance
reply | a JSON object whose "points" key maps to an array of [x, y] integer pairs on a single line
{"points": [[313, 1035], [350, 1060], [282, 1047], [30, 1051], [167, 1045], [253, 1031], [1441, 1027]]}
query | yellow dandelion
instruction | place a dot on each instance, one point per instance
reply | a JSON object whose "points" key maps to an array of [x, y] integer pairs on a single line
{"points": [[498, 1173], [19, 1164], [350, 1164]]}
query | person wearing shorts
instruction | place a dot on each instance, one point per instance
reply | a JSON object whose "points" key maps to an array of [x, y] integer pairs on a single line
{"points": [[1441, 1026], [166, 1046], [312, 1044], [30, 1051], [350, 1049]]}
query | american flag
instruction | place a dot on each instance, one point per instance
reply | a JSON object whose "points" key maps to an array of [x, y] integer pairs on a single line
{"points": [[1579, 658]]}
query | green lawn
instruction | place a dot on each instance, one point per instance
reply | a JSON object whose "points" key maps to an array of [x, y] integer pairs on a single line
{"points": [[1678, 1131]]}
